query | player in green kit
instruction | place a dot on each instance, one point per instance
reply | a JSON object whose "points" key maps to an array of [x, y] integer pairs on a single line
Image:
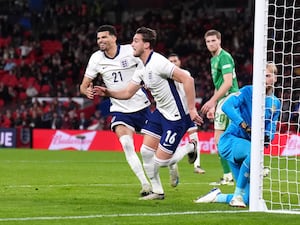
{"points": [[225, 83]]}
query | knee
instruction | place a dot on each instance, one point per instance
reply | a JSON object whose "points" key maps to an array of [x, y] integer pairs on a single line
{"points": [[146, 151], [162, 162], [247, 162]]}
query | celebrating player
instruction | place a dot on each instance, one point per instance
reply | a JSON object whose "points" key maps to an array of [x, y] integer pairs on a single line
{"points": [[174, 109], [116, 64]]}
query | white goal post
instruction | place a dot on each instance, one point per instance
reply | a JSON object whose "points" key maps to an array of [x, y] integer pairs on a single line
{"points": [[276, 39]]}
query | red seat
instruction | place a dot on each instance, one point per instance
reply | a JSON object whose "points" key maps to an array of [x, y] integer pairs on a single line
{"points": [[13, 81], [31, 80], [23, 82], [22, 96], [50, 47], [5, 78], [4, 42], [45, 89]]}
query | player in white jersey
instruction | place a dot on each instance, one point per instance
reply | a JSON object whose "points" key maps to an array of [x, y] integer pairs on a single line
{"points": [[193, 130], [116, 64], [174, 108]]}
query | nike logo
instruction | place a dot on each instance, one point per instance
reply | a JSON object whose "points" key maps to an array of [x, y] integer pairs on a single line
{"points": [[166, 145]]}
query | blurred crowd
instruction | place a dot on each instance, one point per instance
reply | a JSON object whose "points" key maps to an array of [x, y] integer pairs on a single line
{"points": [[44, 50]]}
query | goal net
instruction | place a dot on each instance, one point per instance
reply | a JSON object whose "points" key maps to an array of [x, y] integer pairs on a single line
{"points": [[276, 39]]}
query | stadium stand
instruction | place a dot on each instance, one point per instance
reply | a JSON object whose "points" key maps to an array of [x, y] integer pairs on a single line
{"points": [[61, 36]]}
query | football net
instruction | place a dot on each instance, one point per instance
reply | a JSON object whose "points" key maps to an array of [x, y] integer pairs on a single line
{"points": [[276, 39]]}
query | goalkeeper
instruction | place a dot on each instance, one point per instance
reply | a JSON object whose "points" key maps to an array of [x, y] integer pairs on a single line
{"points": [[235, 143]]}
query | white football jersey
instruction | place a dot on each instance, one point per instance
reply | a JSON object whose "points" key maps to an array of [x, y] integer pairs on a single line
{"points": [[156, 76], [116, 73]]}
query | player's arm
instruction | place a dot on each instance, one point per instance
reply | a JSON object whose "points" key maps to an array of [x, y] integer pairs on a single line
{"points": [[181, 76], [230, 108], [218, 94], [125, 93], [86, 87], [188, 84], [270, 127], [224, 88]]}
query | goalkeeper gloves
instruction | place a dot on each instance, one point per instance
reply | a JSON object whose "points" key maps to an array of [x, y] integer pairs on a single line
{"points": [[246, 128]]}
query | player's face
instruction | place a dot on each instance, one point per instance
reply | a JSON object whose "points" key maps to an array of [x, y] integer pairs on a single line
{"points": [[175, 60], [105, 40], [137, 45], [270, 78], [213, 44]]}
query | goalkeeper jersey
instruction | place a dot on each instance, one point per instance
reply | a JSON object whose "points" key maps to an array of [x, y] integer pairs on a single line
{"points": [[239, 108]]}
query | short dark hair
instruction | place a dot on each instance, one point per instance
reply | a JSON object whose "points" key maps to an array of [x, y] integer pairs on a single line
{"points": [[149, 35], [111, 29], [173, 55]]}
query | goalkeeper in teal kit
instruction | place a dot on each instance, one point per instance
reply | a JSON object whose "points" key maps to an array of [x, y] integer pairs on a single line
{"points": [[235, 143]]}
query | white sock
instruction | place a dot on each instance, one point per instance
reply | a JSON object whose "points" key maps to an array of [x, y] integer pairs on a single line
{"points": [[151, 166], [132, 158], [156, 182], [181, 152], [148, 160]]}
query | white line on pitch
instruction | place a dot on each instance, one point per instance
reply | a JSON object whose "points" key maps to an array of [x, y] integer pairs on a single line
{"points": [[81, 185], [116, 215]]}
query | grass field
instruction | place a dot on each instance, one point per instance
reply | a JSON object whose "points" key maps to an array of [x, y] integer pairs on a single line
{"points": [[72, 187]]}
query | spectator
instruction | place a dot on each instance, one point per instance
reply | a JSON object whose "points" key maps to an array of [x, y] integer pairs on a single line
{"points": [[83, 121], [25, 49], [31, 90], [10, 65], [57, 121]]}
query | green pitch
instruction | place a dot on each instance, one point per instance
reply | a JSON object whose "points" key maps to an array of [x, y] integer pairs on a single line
{"points": [[71, 187]]}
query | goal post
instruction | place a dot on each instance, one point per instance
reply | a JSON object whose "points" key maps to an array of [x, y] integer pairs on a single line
{"points": [[276, 39], [258, 112]]}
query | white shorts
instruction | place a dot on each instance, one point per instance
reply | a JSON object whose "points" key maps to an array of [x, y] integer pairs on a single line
{"points": [[221, 120]]}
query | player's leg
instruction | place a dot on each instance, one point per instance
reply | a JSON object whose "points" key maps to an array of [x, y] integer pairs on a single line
{"points": [[194, 140], [226, 198], [227, 175], [151, 165], [227, 178], [215, 194], [174, 175], [189, 149], [126, 139], [246, 193], [229, 148], [166, 135], [152, 135], [220, 124], [193, 135], [241, 158]]}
